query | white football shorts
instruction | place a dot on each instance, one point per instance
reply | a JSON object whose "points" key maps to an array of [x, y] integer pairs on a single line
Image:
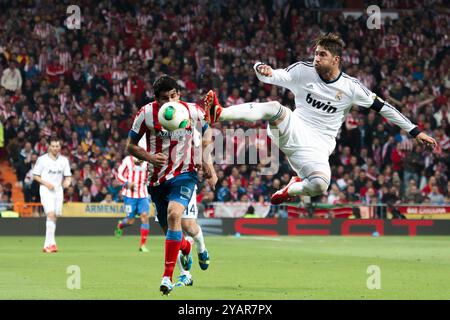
{"points": [[52, 201], [306, 149], [191, 212]]}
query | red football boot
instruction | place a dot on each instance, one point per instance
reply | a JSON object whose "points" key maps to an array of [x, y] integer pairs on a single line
{"points": [[282, 195], [47, 250]]}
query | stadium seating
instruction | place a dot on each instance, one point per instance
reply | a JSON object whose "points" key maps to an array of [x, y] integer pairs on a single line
{"points": [[84, 85]]}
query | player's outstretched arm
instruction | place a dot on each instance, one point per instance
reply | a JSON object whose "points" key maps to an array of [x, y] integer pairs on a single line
{"points": [[396, 117], [365, 98], [279, 77]]}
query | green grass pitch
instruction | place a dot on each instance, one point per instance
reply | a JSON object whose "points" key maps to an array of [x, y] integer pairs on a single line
{"points": [[241, 268]]}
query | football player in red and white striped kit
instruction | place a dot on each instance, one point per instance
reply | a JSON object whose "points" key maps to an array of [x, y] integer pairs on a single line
{"points": [[133, 174], [173, 162]]}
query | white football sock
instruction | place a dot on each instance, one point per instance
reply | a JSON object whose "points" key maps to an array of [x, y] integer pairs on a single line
{"points": [[252, 111], [180, 266], [50, 233], [312, 186], [199, 241]]}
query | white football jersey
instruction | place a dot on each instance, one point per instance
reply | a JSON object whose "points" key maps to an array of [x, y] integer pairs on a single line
{"points": [[323, 105], [52, 171]]}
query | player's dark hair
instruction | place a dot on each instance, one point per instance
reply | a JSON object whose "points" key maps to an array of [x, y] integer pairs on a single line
{"points": [[164, 84], [332, 42], [54, 139]]}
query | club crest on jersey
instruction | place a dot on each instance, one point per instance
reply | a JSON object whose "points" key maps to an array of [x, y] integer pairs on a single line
{"points": [[320, 105], [339, 95]]}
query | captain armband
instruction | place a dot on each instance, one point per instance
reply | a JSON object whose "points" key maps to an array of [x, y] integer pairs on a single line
{"points": [[415, 132], [377, 104]]}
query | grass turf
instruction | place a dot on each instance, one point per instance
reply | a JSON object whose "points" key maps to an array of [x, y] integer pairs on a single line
{"points": [[241, 268]]}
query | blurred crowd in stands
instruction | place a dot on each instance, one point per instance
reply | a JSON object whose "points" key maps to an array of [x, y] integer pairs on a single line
{"points": [[85, 86]]}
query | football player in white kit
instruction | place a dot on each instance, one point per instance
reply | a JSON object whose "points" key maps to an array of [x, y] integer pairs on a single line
{"points": [[52, 172], [323, 97]]}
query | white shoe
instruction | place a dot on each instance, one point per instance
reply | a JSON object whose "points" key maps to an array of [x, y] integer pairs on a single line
{"points": [[166, 286]]}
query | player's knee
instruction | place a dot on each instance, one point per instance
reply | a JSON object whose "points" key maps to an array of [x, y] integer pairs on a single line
{"points": [[144, 216], [173, 215], [275, 113], [275, 105], [319, 185], [190, 227]]}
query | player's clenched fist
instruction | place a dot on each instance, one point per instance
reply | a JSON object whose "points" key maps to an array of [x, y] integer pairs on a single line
{"points": [[425, 139], [265, 70]]}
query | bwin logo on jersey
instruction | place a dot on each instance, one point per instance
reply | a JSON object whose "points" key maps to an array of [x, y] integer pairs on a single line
{"points": [[320, 105]]}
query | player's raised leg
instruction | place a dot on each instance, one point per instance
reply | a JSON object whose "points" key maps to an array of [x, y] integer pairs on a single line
{"points": [[272, 111], [316, 182]]}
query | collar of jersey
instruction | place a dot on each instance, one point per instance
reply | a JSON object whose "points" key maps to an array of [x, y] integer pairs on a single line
{"points": [[328, 82]]}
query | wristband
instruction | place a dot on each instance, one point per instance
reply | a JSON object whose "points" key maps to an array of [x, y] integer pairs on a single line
{"points": [[415, 132]]}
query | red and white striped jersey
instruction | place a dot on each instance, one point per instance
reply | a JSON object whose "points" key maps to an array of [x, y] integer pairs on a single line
{"points": [[133, 174], [181, 146], [64, 59], [42, 31], [43, 58], [119, 75]]}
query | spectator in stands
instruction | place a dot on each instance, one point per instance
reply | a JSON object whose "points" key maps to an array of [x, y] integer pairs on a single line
{"points": [[432, 182], [30, 186], [2, 137], [108, 199], [413, 164], [223, 193], [435, 196], [351, 194], [333, 197], [413, 194], [86, 196], [114, 189], [2, 190], [5, 203], [11, 78], [7, 191], [71, 195]]}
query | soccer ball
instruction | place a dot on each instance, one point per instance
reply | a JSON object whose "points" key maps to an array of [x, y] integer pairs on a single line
{"points": [[173, 116]]}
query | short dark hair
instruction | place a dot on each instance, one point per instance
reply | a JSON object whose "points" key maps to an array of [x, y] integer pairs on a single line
{"points": [[332, 42], [163, 84], [54, 139]]}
